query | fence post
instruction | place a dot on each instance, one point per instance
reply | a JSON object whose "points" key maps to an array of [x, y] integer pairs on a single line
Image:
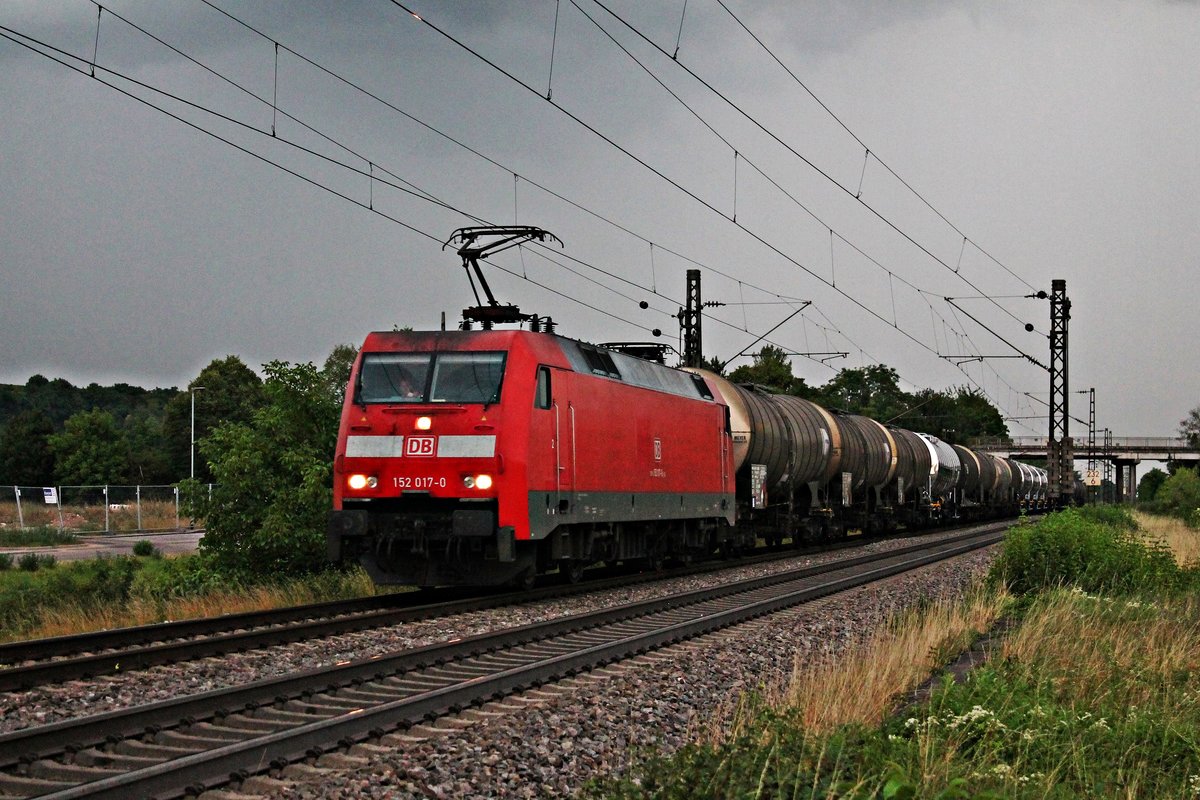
{"points": [[139, 507], [61, 525], [176, 508], [20, 515], [106, 530]]}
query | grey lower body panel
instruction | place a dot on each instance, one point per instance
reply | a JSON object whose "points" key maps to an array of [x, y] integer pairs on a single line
{"points": [[466, 545], [551, 510]]}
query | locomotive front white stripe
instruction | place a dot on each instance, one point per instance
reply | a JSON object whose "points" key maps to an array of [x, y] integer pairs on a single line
{"points": [[447, 446], [374, 446], [466, 446]]}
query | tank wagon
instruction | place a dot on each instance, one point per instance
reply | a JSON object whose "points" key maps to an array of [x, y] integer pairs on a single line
{"points": [[489, 457]]}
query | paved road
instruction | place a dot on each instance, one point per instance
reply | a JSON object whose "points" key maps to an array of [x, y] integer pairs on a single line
{"points": [[114, 545]]}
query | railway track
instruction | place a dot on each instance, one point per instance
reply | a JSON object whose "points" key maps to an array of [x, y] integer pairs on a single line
{"points": [[189, 744], [37, 662]]}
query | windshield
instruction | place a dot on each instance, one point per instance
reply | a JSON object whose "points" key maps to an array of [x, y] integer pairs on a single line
{"points": [[393, 378], [467, 378], [425, 378]]}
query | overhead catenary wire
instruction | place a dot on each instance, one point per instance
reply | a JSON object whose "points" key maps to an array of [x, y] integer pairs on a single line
{"points": [[472, 150], [369, 172], [25, 41], [65, 59], [613, 143], [779, 140], [867, 150], [482, 156]]}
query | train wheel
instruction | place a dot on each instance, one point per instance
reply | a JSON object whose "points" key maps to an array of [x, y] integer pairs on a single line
{"points": [[526, 580], [572, 570]]}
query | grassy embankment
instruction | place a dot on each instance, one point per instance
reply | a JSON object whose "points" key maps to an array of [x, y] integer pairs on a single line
{"points": [[1093, 693], [48, 599]]}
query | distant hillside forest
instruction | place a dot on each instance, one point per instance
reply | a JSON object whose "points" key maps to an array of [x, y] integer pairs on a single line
{"points": [[55, 434]]}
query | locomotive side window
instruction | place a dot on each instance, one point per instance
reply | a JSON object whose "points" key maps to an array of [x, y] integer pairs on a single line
{"points": [[543, 397], [393, 378], [702, 387], [467, 378], [600, 361]]}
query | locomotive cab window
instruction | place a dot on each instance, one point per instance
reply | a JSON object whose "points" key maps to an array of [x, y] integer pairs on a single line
{"points": [[425, 378], [543, 397], [467, 378], [393, 377]]}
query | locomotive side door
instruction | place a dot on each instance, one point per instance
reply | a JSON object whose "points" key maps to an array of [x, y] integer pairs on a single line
{"points": [[562, 442]]}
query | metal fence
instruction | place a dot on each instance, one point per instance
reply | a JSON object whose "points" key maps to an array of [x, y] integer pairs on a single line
{"points": [[93, 509], [1116, 443]]}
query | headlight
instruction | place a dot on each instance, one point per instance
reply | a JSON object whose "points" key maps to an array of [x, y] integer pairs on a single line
{"points": [[358, 482], [424, 423], [483, 482]]}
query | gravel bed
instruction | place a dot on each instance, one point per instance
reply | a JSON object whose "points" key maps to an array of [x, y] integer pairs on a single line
{"points": [[46, 704], [552, 750]]}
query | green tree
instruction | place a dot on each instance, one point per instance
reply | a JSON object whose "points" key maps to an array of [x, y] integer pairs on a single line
{"points": [[872, 391], [336, 370], [1149, 485], [771, 369], [273, 476], [1180, 494], [25, 455], [57, 398], [713, 364], [232, 393], [1189, 427], [91, 450], [148, 459]]}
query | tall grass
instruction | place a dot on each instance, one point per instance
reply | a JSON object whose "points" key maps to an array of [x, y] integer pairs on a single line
{"points": [[1096, 550], [119, 592], [36, 537], [1182, 539], [1092, 696], [861, 686]]}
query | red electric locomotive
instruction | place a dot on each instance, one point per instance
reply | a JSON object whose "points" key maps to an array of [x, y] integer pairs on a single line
{"points": [[489, 457], [486, 457]]}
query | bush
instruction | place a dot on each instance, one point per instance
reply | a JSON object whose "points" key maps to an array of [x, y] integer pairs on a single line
{"points": [[26, 596], [274, 478], [1119, 517], [1179, 495], [188, 576], [6, 561], [34, 537], [144, 548], [1070, 548]]}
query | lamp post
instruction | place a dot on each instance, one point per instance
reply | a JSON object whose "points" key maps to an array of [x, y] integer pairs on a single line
{"points": [[193, 391]]}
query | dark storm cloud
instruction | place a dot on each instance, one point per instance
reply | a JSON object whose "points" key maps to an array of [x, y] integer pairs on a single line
{"points": [[1063, 138]]}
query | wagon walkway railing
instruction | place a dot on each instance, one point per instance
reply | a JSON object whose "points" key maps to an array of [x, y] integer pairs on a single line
{"points": [[105, 509]]}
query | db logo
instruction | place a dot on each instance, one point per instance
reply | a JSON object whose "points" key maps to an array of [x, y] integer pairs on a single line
{"points": [[419, 445]]}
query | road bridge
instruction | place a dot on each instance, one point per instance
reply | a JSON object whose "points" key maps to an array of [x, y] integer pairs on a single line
{"points": [[1123, 452]]}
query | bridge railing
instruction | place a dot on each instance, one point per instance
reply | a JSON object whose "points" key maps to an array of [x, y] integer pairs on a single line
{"points": [[1116, 443]]}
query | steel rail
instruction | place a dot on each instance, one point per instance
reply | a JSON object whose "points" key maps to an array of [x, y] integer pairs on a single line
{"points": [[38, 662], [215, 767]]}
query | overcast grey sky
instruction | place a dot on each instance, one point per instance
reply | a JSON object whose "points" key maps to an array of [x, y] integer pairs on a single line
{"points": [[1062, 140]]}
